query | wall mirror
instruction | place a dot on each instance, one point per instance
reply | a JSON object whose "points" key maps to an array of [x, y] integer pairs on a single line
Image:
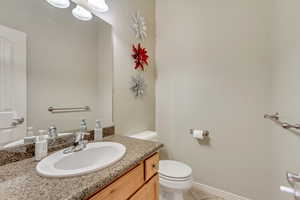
{"points": [[48, 58]]}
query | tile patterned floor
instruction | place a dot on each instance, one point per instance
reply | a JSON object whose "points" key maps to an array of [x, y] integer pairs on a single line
{"points": [[195, 194]]}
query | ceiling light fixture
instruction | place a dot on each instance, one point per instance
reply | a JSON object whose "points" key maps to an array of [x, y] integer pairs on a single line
{"points": [[98, 5], [59, 3], [82, 14], [84, 8]]}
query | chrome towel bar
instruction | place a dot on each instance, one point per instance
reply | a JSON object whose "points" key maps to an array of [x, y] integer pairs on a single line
{"points": [[275, 117], [64, 110], [292, 179]]}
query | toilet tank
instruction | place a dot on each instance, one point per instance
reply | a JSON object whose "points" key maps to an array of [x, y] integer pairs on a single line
{"points": [[146, 135]]}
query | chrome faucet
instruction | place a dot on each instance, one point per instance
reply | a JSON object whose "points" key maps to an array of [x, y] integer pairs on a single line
{"points": [[83, 126], [52, 133], [79, 143]]}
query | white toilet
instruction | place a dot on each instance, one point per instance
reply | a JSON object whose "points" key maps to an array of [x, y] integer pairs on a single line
{"points": [[175, 177]]}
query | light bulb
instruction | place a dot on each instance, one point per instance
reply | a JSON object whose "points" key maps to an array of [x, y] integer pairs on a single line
{"points": [[82, 14], [59, 3], [98, 5]]}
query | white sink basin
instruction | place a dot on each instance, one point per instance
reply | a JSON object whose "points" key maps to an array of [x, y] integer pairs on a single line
{"points": [[95, 156]]}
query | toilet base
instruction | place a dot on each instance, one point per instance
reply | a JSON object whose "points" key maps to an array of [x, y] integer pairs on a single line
{"points": [[167, 194]]}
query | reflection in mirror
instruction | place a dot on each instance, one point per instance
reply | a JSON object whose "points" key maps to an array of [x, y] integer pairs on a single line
{"points": [[48, 58]]}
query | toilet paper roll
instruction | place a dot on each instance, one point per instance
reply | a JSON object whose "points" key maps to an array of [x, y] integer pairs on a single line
{"points": [[200, 134], [290, 191]]}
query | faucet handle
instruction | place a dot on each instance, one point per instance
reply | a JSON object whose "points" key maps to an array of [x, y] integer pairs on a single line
{"points": [[52, 130]]}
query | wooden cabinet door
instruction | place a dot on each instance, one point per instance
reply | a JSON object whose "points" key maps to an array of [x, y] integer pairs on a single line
{"points": [[150, 191], [151, 166], [124, 187]]}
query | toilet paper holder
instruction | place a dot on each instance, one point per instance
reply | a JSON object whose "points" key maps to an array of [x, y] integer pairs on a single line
{"points": [[205, 133], [292, 178]]}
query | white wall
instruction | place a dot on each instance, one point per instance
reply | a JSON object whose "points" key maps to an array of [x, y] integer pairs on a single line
{"points": [[214, 73]]}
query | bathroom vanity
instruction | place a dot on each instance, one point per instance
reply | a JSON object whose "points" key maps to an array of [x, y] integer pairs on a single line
{"points": [[144, 186], [134, 177], [57, 83]]}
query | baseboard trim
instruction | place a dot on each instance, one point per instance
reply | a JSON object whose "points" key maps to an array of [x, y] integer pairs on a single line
{"points": [[219, 193]]}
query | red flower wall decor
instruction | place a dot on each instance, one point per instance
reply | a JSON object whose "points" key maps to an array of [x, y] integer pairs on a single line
{"points": [[140, 55]]}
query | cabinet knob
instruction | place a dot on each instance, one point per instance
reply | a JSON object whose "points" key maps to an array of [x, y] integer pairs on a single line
{"points": [[155, 166]]}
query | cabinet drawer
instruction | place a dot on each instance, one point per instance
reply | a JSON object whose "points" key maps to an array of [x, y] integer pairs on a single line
{"points": [[149, 191], [124, 187], [151, 166]]}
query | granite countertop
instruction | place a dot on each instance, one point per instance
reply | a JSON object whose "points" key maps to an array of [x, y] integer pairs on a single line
{"points": [[19, 180]]}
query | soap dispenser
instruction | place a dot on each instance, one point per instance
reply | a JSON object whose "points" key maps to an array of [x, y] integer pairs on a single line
{"points": [[98, 132], [41, 145]]}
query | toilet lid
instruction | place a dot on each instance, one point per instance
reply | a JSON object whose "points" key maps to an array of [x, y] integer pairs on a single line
{"points": [[174, 169]]}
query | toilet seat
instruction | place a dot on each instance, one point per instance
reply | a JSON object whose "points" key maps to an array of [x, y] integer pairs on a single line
{"points": [[174, 170], [161, 176]]}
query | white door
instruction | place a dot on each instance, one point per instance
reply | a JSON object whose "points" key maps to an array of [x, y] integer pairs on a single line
{"points": [[13, 84]]}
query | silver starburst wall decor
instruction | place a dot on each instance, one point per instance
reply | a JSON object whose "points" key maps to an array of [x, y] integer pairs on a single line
{"points": [[139, 26], [138, 85]]}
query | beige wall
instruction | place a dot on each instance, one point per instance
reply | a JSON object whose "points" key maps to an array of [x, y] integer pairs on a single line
{"points": [[131, 115], [286, 82], [69, 63], [214, 73]]}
